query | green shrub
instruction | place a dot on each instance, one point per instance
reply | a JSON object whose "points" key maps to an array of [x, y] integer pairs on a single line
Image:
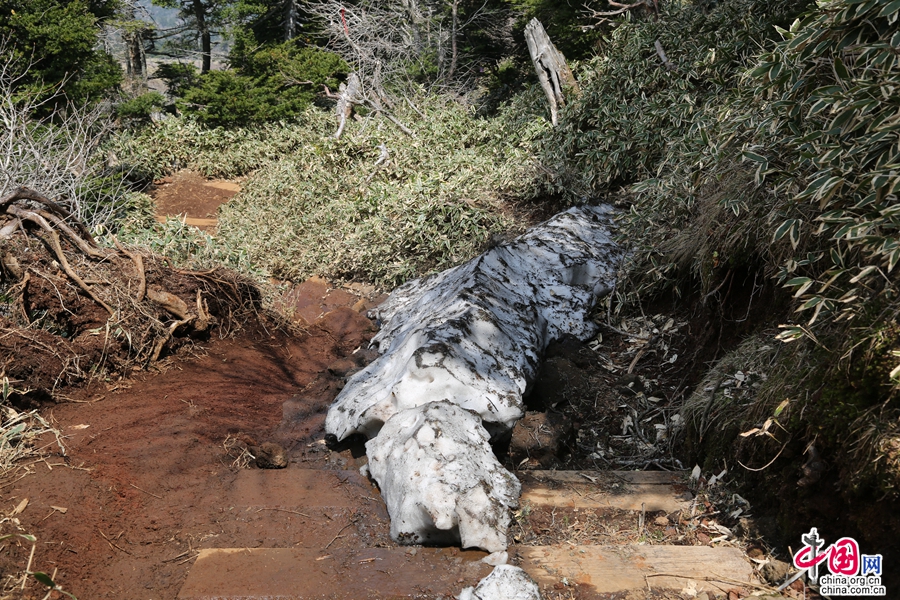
{"points": [[179, 77], [330, 208], [59, 41], [141, 107], [633, 113], [830, 149], [274, 83]]}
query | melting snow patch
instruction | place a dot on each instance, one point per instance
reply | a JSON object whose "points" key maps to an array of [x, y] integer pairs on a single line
{"points": [[473, 335], [440, 479], [504, 583]]}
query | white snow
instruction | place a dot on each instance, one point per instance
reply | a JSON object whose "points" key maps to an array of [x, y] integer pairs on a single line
{"points": [[473, 335], [504, 583], [458, 352], [440, 479]]}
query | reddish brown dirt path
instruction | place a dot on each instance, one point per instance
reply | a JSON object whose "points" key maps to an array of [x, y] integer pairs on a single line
{"points": [[192, 197], [148, 480]]}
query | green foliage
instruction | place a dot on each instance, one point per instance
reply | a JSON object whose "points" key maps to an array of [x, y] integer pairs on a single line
{"points": [[785, 163], [276, 82], [632, 110], [316, 205], [179, 77], [836, 141], [141, 107], [157, 149], [59, 41]]}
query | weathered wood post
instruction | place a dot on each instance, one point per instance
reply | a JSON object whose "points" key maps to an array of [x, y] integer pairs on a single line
{"points": [[350, 94], [552, 71]]}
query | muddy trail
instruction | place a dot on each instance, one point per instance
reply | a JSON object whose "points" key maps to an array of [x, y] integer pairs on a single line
{"points": [[207, 476], [158, 496], [149, 469]]}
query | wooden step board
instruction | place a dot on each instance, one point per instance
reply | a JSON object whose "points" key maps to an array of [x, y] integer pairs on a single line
{"points": [[192, 221], [303, 573], [297, 488], [623, 490], [612, 569]]}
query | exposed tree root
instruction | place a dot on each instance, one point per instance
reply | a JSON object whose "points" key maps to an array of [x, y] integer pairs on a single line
{"points": [[96, 309]]}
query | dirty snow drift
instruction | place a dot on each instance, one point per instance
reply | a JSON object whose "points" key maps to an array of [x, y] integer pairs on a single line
{"points": [[504, 583], [473, 335], [440, 479]]}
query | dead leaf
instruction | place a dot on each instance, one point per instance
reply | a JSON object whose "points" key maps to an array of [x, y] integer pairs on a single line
{"points": [[61, 509], [82, 426], [20, 507]]}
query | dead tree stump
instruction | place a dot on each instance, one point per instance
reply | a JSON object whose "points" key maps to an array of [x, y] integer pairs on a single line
{"points": [[552, 71], [350, 94]]}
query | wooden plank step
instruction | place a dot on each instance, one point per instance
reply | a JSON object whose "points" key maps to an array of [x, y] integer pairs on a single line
{"points": [[612, 569], [298, 488], [303, 573], [192, 221], [622, 490], [228, 186]]}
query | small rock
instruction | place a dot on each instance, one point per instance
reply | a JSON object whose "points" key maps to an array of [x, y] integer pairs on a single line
{"points": [[269, 455], [775, 572]]}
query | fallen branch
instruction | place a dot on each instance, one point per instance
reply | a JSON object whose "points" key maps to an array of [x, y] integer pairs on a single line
{"points": [[24, 193], [75, 238], [381, 159], [112, 544], [351, 95], [621, 8], [8, 229], [662, 55]]}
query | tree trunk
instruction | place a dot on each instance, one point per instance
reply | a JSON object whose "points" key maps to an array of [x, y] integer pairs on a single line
{"points": [[415, 22], [290, 19], [550, 64], [454, 24], [136, 58], [205, 36]]}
